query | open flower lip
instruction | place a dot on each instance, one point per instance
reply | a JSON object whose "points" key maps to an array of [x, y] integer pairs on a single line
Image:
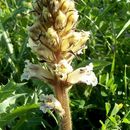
{"points": [[36, 71], [83, 75]]}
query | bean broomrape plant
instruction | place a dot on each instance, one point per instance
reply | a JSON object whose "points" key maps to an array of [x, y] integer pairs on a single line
{"points": [[54, 39]]}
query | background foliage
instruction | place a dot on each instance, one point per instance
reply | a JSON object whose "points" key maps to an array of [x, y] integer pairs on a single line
{"points": [[104, 107]]}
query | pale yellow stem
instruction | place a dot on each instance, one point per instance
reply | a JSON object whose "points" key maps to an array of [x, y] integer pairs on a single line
{"points": [[62, 95]]}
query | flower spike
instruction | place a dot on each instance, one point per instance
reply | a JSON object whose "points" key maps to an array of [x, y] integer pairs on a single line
{"points": [[54, 39]]}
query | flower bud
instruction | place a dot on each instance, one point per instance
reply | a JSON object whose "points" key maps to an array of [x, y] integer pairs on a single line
{"points": [[52, 36], [46, 15], [72, 18], [67, 5], [65, 45], [54, 5], [60, 21]]}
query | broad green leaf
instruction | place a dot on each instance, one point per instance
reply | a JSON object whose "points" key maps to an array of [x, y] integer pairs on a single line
{"points": [[9, 101], [17, 112], [8, 89]]}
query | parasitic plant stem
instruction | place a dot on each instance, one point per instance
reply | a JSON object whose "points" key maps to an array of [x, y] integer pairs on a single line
{"points": [[63, 97]]}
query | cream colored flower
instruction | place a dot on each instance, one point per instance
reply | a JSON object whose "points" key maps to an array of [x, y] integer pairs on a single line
{"points": [[36, 71], [49, 102], [60, 20], [69, 40], [84, 36], [72, 17], [63, 68], [44, 52], [84, 75], [75, 41]]}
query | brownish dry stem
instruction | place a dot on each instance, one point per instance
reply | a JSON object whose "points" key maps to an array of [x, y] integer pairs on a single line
{"points": [[62, 95]]}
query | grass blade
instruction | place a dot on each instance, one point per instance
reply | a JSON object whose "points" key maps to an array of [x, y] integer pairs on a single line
{"points": [[123, 29]]}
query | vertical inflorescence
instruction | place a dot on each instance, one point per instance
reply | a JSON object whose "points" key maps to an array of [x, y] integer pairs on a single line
{"points": [[54, 39]]}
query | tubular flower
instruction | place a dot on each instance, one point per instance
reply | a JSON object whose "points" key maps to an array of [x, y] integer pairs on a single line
{"points": [[36, 71], [49, 102]]}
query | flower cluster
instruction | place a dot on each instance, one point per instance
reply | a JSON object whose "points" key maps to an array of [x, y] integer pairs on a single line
{"points": [[54, 39]]}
